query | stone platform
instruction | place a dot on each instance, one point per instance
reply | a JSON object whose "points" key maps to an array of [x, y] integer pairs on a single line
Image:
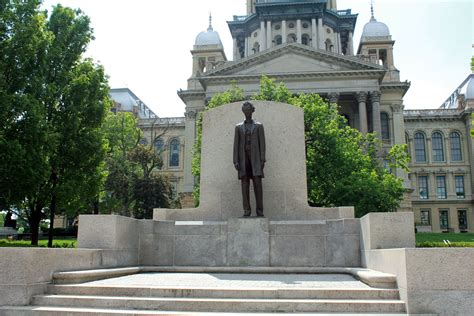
{"points": [[237, 242]]}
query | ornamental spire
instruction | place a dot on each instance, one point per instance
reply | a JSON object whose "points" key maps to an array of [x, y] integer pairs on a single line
{"points": [[210, 22], [372, 18]]}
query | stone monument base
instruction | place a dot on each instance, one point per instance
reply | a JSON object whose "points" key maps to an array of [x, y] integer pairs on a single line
{"points": [[251, 241]]}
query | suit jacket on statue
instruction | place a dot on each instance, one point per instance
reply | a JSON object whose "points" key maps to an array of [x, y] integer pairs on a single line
{"points": [[257, 148]]}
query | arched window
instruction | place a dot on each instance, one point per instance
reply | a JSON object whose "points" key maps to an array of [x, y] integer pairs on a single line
{"points": [[278, 40], [291, 38], [420, 152], [256, 48], [329, 46], [305, 39], [159, 147], [385, 125], [174, 153], [455, 140], [438, 150]]}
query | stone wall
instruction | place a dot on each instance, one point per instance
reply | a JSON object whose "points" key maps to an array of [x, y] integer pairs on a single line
{"points": [[27, 271], [430, 280]]}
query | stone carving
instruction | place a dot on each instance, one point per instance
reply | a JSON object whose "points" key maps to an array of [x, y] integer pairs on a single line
{"points": [[361, 97], [249, 157], [375, 96], [190, 115], [333, 97]]}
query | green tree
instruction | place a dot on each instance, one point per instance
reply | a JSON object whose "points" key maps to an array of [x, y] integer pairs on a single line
{"points": [[55, 102], [132, 187], [342, 164]]}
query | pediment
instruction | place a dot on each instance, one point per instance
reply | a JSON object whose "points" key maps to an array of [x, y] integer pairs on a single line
{"points": [[290, 59]]}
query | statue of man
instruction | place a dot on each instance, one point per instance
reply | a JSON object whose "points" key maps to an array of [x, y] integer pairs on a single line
{"points": [[249, 157]]}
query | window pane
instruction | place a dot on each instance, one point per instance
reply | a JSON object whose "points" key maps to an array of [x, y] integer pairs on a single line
{"points": [[423, 187], [385, 126], [443, 219], [455, 140], [174, 153], [462, 217], [441, 187], [425, 217], [420, 154], [459, 186], [438, 151]]}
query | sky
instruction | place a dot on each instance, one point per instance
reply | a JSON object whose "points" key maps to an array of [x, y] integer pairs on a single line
{"points": [[145, 44]]}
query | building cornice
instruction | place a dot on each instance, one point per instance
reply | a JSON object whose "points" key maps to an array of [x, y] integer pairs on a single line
{"points": [[187, 95]]}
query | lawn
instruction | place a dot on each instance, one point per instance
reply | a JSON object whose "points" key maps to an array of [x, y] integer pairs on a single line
{"points": [[57, 243], [437, 240]]}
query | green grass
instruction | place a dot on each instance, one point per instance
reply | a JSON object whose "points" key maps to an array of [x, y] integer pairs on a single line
{"points": [[437, 240], [57, 243]]}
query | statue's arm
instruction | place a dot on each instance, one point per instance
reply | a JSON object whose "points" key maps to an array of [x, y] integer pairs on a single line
{"points": [[236, 148]]}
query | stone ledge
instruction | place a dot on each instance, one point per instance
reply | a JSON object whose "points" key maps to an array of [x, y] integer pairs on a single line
{"points": [[370, 277]]}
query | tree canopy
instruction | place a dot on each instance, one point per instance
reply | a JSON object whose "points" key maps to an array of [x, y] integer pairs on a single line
{"points": [[53, 105], [343, 165]]}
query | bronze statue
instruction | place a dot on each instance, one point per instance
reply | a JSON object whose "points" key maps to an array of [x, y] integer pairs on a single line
{"points": [[249, 157]]}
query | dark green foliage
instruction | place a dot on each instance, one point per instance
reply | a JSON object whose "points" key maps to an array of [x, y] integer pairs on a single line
{"points": [[53, 104], [342, 164], [132, 187]]}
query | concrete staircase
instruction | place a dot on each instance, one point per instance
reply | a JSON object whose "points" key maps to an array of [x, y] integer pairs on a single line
{"points": [[132, 298]]}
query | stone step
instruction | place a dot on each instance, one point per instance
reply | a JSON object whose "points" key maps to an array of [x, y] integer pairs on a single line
{"points": [[74, 311], [263, 293], [223, 305]]}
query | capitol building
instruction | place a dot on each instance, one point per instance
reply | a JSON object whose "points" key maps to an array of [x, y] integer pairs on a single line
{"points": [[309, 46]]}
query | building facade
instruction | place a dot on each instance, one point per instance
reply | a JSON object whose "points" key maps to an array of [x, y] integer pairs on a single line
{"points": [[309, 46]]}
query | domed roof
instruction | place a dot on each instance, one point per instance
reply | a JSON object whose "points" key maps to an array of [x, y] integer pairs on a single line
{"points": [[375, 29], [210, 37], [470, 88]]}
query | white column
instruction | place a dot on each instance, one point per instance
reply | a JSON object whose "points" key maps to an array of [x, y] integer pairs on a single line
{"points": [[350, 45], [283, 32], [298, 31], [247, 50], [375, 99], [320, 34], [314, 36], [269, 34], [362, 99], [339, 45], [262, 40], [236, 50]]}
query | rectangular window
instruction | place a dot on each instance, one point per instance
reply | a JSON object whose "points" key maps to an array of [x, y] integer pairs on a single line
{"points": [[459, 186], [441, 187], [462, 218], [423, 187], [443, 219], [425, 217]]}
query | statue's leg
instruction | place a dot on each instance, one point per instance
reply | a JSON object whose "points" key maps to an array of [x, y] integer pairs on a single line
{"points": [[257, 186], [245, 195]]}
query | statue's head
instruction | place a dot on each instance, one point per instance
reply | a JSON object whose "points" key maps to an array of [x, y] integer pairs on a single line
{"points": [[248, 107]]}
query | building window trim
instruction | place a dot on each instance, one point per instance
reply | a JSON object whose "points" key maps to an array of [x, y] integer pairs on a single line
{"points": [[423, 187], [174, 153], [437, 145], [444, 219], [459, 186], [456, 146], [441, 187], [420, 147]]}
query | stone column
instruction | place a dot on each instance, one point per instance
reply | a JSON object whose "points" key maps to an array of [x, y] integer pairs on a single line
{"points": [[314, 34], [362, 99], [262, 39], [190, 136], [283, 32], [320, 34], [375, 100], [350, 45], [298, 31], [236, 50], [333, 97], [269, 34], [247, 49], [339, 45]]}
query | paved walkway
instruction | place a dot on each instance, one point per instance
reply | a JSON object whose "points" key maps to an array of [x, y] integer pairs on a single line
{"points": [[235, 281]]}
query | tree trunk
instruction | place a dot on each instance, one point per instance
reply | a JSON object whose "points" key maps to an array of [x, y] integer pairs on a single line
{"points": [[96, 207], [52, 211], [34, 223]]}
